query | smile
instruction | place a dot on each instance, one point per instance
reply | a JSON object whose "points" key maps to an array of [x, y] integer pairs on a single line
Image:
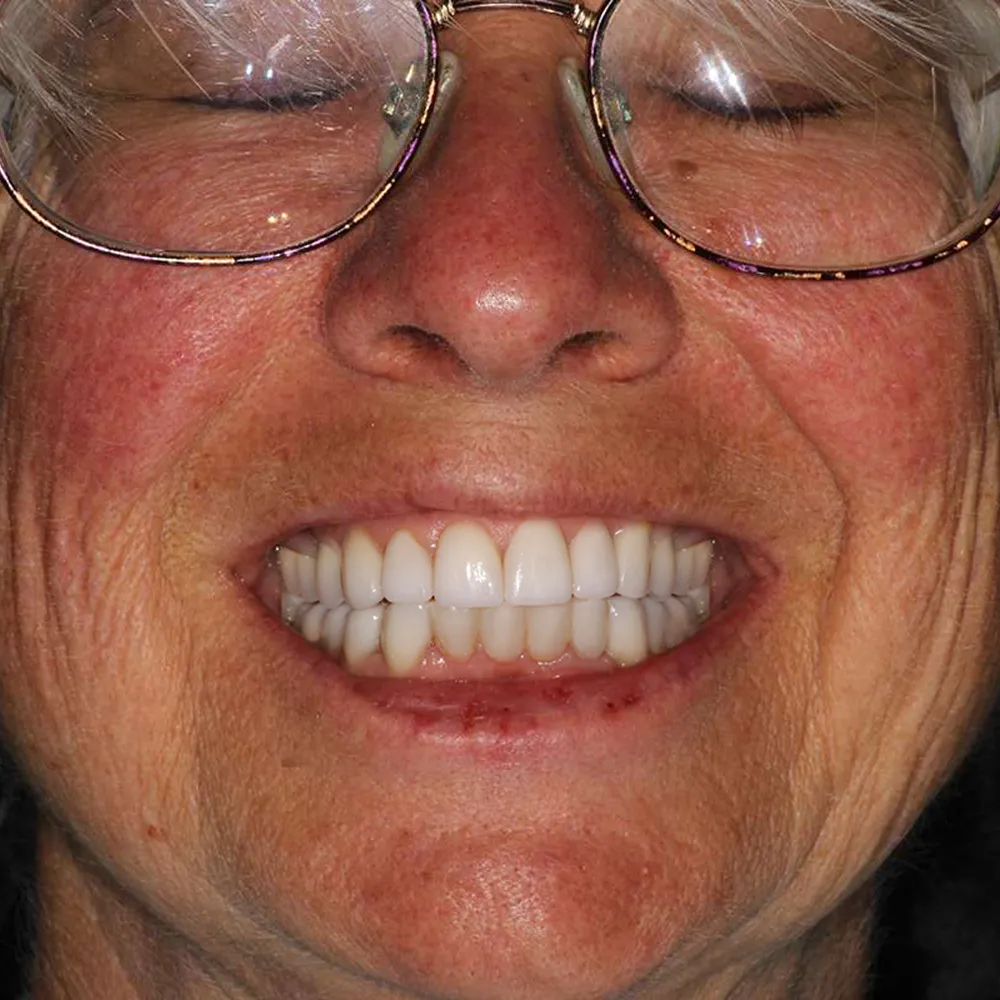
{"points": [[473, 600]]}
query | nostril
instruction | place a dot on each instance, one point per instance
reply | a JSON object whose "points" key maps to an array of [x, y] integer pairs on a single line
{"points": [[413, 354]]}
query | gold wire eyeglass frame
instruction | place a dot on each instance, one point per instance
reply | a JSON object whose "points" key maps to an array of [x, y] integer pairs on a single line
{"points": [[587, 23]]}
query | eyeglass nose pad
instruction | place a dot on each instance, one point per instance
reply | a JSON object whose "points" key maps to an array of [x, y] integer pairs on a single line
{"points": [[578, 102], [396, 138]]}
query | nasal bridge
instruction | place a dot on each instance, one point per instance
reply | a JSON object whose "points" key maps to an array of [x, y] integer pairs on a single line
{"points": [[583, 18]]}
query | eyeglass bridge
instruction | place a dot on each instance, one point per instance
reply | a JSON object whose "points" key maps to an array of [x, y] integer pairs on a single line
{"points": [[582, 17]]}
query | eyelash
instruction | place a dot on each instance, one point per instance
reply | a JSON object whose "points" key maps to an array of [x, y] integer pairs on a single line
{"points": [[295, 101], [777, 120]]}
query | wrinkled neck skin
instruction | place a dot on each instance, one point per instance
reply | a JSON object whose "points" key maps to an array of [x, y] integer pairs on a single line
{"points": [[93, 942]]}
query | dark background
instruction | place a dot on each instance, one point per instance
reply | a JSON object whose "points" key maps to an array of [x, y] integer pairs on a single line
{"points": [[938, 934]]}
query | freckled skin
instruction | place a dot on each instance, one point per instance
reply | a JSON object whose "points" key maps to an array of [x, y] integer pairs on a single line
{"points": [[158, 424]]}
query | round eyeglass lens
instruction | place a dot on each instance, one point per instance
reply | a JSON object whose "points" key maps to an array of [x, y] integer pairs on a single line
{"points": [[209, 126], [806, 135]]}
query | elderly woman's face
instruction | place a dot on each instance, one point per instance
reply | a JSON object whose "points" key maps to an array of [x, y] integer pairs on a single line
{"points": [[232, 808]]}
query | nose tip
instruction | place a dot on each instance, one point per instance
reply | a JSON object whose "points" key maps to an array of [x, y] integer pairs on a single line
{"points": [[502, 256]]}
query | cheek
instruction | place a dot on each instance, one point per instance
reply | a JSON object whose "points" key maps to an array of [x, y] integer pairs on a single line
{"points": [[115, 381], [887, 379]]}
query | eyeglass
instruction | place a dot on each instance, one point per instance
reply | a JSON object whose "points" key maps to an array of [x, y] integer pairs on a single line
{"points": [[797, 139]]}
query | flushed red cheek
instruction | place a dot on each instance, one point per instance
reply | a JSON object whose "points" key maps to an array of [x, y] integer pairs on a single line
{"points": [[883, 377], [121, 376]]}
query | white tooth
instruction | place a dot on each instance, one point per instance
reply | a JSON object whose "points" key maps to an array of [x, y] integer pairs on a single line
{"points": [[310, 621], [656, 620], [698, 601], [592, 557], [288, 563], [536, 565], [547, 631], [362, 570], [455, 629], [406, 634], [361, 634], [632, 554], [661, 564], [467, 569], [290, 604], [501, 631], [298, 573], [589, 627], [334, 624], [328, 570], [407, 572], [626, 631], [679, 624], [692, 566]]}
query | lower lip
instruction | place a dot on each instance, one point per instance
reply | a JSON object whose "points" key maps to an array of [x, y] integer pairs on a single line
{"points": [[511, 709]]}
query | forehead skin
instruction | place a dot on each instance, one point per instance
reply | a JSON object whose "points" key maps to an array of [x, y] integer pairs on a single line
{"points": [[157, 424]]}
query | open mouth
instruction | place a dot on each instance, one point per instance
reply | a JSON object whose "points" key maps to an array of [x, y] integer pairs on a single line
{"points": [[463, 599]]}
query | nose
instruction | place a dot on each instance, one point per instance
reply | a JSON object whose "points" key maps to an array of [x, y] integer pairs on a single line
{"points": [[504, 255]]}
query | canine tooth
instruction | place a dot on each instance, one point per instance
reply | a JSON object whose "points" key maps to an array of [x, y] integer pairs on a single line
{"points": [[536, 565], [362, 570], [656, 621], [467, 569], [627, 643], [692, 566], [679, 623], [632, 554], [548, 631], [407, 571], [455, 629], [334, 624], [661, 564], [290, 604], [406, 634], [592, 558], [589, 627], [501, 631], [328, 572], [361, 634]]}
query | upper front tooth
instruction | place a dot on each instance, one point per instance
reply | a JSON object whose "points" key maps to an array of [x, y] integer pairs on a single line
{"points": [[407, 572], [536, 566], [592, 558], [362, 570], [467, 568], [632, 551]]}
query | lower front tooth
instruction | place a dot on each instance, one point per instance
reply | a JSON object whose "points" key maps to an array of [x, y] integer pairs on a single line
{"points": [[656, 623], [406, 634], [501, 631], [334, 624], [310, 622], [548, 631], [679, 624], [627, 643], [455, 630], [361, 635], [589, 628]]}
